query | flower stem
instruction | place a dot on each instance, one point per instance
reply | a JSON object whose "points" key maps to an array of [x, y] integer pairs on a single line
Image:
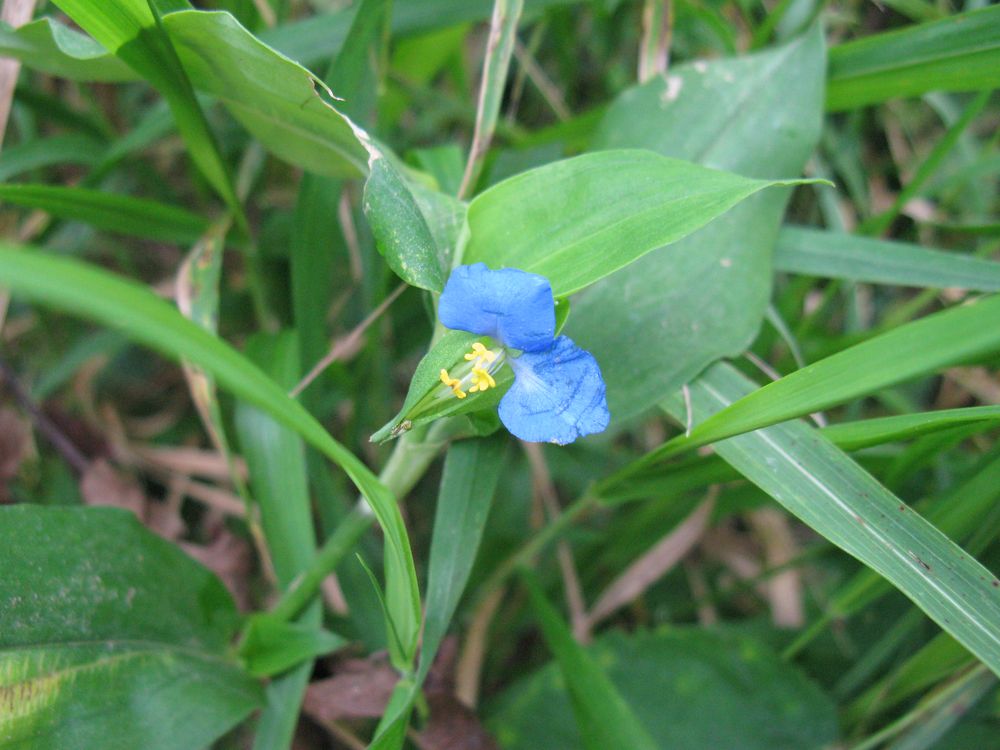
{"points": [[537, 543], [412, 454]]}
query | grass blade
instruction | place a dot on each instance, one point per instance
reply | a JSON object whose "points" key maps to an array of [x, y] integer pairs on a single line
{"points": [[816, 252], [80, 289], [840, 500], [121, 214], [960, 334], [604, 718], [960, 53], [132, 29]]}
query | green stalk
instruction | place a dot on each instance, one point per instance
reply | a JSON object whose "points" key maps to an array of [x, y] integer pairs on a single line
{"points": [[412, 454]]}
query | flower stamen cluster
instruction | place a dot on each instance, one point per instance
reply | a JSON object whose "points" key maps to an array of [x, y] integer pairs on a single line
{"points": [[477, 376]]}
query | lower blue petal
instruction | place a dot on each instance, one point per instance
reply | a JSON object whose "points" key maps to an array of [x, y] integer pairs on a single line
{"points": [[512, 306], [558, 395]]}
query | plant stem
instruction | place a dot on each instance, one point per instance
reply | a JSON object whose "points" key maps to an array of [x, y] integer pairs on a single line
{"points": [[537, 543], [412, 455]]}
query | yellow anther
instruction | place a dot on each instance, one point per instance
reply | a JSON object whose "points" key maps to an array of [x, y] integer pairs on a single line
{"points": [[480, 353], [454, 383], [481, 380]]}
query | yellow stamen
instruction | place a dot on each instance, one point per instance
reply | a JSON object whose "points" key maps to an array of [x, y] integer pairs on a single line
{"points": [[481, 380], [480, 353], [454, 383]]}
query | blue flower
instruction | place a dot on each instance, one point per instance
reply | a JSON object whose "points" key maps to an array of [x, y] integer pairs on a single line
{"points": [[558, 393]]}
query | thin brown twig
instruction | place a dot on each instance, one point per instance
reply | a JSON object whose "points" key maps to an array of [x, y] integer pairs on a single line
{"points": [[818, 417], [16, 13], [657, 33], [348, 343], [470, 662], [496, 61], [546, 491], [549, 91], [350, 233], [652, 565], [266, 13], [341, 734], [63, 445], [784, 590]]}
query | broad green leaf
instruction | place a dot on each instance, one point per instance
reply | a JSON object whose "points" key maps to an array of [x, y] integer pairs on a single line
{"points": [[111, 637], [603, 716], [578, 220], [959, 53], [271, 646], [838, 499], [843, 256], [133, 31], [121, 214], [961, 334], [471, 472], [692, 688], [80, 289], [659, 322], [400, 230], [53, 48], [273, 97]]}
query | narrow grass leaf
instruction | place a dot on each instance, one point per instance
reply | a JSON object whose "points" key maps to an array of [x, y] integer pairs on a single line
{"points": [[851, 436], [958, 53], [276, 459], [121, 214], [133, 31], [471, 472], [816, 252], [499, 48], [960, 334], [38, 153], [938, 658], [828, 491], [604, 718]]}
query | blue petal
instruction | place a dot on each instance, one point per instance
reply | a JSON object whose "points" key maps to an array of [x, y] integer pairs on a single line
{"points": [[557, 395], [514, 307]]}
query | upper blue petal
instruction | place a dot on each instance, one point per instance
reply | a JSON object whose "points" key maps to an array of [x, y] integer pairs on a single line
{"points": [[514, 307], [558, 395]]}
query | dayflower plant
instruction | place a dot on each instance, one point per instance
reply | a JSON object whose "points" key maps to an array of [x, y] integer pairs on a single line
{"points": [[558, 393]]}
